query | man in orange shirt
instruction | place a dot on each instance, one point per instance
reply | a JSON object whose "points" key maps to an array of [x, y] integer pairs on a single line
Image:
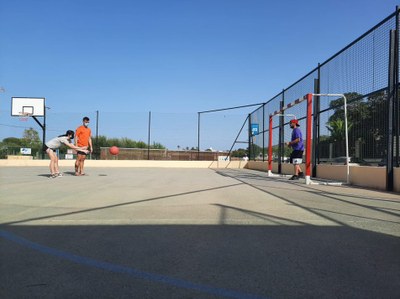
{"points": [[83, 138]]}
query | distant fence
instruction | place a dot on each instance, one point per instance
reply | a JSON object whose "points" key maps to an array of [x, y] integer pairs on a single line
{"points": [[367, 72], [129, 154], [161, 154]]}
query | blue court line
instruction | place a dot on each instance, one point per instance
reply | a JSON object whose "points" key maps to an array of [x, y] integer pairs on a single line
{"points": [[126, 270]]}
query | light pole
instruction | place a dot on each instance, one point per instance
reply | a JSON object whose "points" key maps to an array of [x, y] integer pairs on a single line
{"points": [[44, 128]]}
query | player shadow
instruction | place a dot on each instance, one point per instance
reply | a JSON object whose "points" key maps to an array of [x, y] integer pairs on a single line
{"points": [[65, 173], [71, 173], [46, 175]]}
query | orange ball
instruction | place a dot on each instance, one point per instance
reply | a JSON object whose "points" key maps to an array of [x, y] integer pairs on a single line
{"points": [[114, 150]]}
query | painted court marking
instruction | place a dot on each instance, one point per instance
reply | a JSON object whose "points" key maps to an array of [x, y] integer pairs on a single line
{"points": [[125, 270]]}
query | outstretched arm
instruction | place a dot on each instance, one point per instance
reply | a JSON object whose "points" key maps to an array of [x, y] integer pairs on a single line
{"points": [[90, 144], [77, 148]]}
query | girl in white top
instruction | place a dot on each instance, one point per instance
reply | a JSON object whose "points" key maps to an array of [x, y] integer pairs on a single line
{"points": [[55, 143]]}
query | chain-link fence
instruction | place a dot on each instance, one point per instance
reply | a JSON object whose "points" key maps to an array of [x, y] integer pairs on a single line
{"points": [[162, 154], [360, 71], [177, 133]]}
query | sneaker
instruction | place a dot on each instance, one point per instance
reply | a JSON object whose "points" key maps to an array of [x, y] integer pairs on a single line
{"points": [[59, 174], [294, 178], [53, 176], [301, 175]]}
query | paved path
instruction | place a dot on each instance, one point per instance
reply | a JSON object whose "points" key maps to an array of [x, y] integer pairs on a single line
{"points": [[193, 233]]}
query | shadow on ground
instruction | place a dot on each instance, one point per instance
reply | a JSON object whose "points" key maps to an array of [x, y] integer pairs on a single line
{"points": [[185, 261], [289, 241]]}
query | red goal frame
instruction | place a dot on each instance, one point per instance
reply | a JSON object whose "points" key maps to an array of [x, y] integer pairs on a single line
{"points": [[309, 98]]}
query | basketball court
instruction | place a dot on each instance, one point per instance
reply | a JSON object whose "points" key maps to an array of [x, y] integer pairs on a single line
{"points": [[193, 233]]}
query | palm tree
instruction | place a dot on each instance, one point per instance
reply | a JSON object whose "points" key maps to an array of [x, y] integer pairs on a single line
{"points": [[337, 129]]}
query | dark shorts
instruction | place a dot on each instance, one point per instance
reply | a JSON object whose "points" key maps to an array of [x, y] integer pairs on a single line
{"points": [[45, 147], [81, 153], [296, 155]]}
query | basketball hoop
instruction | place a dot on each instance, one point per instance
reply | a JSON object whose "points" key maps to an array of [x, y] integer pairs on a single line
{"points": [[23, 116]]}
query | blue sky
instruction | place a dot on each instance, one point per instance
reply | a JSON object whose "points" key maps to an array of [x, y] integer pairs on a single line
{"points": [[125, 58]]}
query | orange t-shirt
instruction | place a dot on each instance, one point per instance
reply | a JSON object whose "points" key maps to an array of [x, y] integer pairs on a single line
{"points": [[82, 136]]}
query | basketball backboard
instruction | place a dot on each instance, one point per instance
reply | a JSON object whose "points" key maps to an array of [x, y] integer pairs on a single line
{"points": [[32, 106]]}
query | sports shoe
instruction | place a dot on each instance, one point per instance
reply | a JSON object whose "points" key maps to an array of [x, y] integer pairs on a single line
{"points": [[294, 178], [59, 174], [301, 175], [53, 176]]}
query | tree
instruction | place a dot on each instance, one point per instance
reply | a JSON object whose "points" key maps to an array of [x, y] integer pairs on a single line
{"points": [[141, 144], [239, 153], [12, 141], [367, 125], [357, 107], [103, 141], [31, 138], [157, 145], [337, 129], [12, 145]]}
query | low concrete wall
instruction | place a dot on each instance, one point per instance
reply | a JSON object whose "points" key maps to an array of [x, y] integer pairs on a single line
{"points": [[332, 172], [257, 165], [363, 176], [263, 166], [228, 164], [131, 163], [396, 174], [15, 157], [371, 177]]}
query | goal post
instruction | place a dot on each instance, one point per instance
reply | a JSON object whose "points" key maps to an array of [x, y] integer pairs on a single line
{"points": [[308, 98], [308, 142]]}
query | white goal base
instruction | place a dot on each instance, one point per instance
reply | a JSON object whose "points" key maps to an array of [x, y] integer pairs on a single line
{"points": [[308, 180]]}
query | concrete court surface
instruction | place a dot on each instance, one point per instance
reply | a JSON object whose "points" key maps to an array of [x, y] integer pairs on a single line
{"points": [[193, 233]]}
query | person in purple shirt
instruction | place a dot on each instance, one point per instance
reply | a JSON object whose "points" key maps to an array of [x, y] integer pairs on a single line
{"points": [[297, 145]]}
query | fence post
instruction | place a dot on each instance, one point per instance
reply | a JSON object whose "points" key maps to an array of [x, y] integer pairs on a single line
{"points": [[198, 136], [281, 149], [270, 147], [396, 95], [263, 133], [250, 137], [316, 124], [309, 98], [148, 137], [392, 87]]}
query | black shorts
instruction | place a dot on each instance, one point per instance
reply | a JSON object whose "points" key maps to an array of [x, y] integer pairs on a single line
{"points": [[81, 153], [296, 155], [45, 147]]}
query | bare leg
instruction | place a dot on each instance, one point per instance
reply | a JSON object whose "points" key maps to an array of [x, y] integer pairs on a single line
{"points": [[77, 165], [297, 169], [53, 161], [56, 168], [83, 157]]}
